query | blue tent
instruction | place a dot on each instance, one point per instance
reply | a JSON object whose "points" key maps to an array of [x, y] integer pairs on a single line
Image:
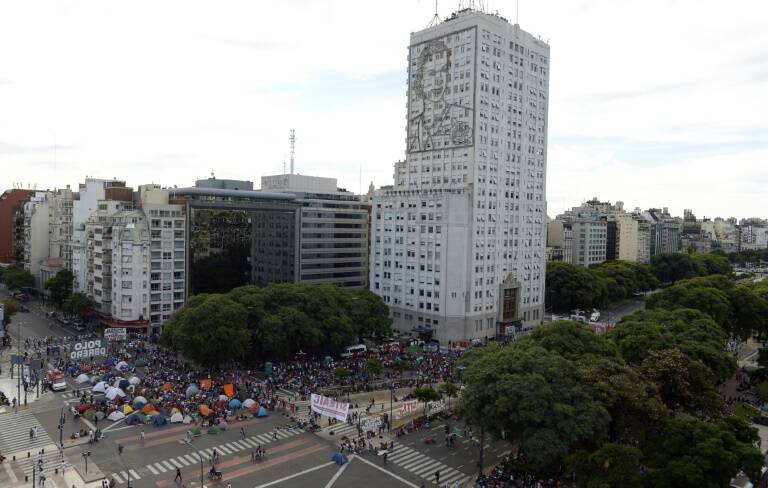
{"points": [[339, 458], [124, 384], [192, 389], [261, 412], [158, 420], [110, 361], [235, 404], [133, 419]]}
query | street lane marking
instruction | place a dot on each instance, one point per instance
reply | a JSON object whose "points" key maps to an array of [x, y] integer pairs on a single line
{"points": [[294, 475], [152, 470], [398, 478], [10, 472], [337, 474], [168, 465], [223, 449], [117, 477], [418, 470]]}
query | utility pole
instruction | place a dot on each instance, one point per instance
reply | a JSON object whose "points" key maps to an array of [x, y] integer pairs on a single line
{"points": [[391, 400], [21, 369], [482, 441]]}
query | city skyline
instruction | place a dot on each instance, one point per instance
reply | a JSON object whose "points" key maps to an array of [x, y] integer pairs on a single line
{"points": [[653, 121]]}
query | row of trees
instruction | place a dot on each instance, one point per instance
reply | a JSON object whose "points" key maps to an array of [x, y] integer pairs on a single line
{"points": [[635, 408], [569, 286], [16, 277], [672, 267], [274, 321]]}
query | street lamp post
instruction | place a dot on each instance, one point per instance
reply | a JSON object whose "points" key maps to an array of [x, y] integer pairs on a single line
{"points": [[86, 455], [391, 401]]}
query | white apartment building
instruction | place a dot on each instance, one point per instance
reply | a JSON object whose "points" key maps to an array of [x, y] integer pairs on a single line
{"points": [[36, 234], [458, 243], [85, 203], [136, 259], [633, 240], [753, 237], [590, 238]]}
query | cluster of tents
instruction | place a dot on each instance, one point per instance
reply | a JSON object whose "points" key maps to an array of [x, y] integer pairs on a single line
{"points": [[110, 401]]}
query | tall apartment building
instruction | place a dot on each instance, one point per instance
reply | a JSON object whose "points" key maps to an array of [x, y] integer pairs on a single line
{"points": [[36, 234], [590, 240], [560, 240], [458, 243], [633, 242], [665, 231], [136, 258], [85, 203], [333, 236], [753, 235], [10, 203]]}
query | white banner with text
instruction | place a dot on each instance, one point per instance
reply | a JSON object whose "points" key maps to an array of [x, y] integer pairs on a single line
{"points": [[329, 407]]}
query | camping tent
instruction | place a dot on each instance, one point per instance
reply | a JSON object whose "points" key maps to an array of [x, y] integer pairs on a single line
{"points": [[177, 418], [192, 389], [187, 419], [126, 409], [147, 408], [133, 419], [82, 378], [223, 398], [122, 365], [141, 363], [110, 362], [158, 420], [261, 412], [135, 380], [235, 404], [229, 390], [248, 402], [139, 401], [206, 384], [116, 415], [100, 387], [204, 410], [112, 393], [339, 458], [167, 387], [123, 384]]}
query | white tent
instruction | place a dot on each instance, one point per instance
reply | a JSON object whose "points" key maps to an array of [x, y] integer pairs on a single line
{"points": [[100, 387], [115, 392], [83, 378], [117, 381], [223, 398], [116, 415], [187, 419], [248, 402], [122, 365], [177, 418], [140, 400], [135, 380]]}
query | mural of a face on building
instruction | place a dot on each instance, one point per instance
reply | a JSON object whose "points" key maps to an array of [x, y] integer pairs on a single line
{"points": [[435, 121]]}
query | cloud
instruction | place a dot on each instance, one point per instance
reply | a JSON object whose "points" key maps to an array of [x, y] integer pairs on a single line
{"points": [[21, 149], [666, 89], [261, 45]]}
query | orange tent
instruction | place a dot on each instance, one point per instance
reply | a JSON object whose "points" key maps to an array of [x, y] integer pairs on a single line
{"points": [[147, 408], [254, 407], [167, 387], [206, 384], [229, 390], [204, 410]]}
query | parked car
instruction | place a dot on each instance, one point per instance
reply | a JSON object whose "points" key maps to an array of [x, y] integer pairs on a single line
{"points": [[57, 381]]}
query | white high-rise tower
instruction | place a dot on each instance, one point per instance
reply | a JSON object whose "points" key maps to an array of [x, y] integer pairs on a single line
{"points": [[458, 243]]}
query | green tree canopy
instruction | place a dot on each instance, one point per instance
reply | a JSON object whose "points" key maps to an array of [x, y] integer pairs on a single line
{"points": [[78, 304], [209, 329], [536, 396], [692, 332], [373, 366], [672, 267], [688, 452], [60, 286], [11, 307], [16, 277], [612, 465], [569, 339], [569, 286], [318, 319]]}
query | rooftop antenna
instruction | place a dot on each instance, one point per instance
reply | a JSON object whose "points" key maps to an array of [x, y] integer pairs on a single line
{"points": [[293, 147], [436, 19]]}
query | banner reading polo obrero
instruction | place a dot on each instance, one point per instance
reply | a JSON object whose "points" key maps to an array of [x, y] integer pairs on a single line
{"points": [[329, 407]]}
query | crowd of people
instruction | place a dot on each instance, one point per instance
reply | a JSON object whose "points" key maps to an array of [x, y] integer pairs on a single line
{"points": [[508, 474]]}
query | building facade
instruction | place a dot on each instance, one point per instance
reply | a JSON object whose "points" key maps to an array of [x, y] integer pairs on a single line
{"points": [[665, 231], [11, 201], [333, 230], [458, 243], [633, 242]]}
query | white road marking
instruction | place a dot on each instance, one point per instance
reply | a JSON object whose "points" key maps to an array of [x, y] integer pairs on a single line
{"points": [[398, 478], [300, 473], [337, 474]]}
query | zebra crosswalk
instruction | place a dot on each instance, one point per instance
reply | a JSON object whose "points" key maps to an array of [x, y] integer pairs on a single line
{"points": [[123, 476], [15, 434], [52, 459], [196, 457], [341, 429], [424, 466]]}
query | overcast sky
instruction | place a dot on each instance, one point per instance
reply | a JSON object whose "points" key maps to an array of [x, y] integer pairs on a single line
{"points": [[655, 103]]}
